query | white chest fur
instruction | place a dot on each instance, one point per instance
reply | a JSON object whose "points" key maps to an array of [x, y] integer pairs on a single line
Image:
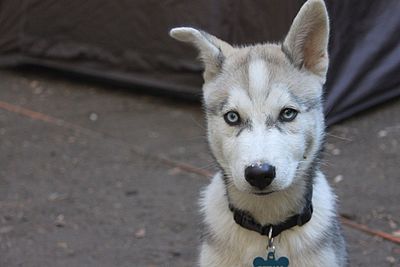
{"points": [[231, 245]]}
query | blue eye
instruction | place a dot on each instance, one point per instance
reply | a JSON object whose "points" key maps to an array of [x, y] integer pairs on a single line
{"points": [[232, 118], [288, 114]]}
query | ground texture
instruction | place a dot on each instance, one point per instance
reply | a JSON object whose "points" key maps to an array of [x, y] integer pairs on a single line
{"points": [[87, 178]]}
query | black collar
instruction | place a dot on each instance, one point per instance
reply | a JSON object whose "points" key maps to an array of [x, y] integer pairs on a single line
{"points": [[247, 221]]}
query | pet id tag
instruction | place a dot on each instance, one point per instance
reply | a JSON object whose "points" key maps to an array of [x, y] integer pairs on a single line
{"points": [[270, 261]]}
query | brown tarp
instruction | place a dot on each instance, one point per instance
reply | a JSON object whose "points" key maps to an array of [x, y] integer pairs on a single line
{"points": [[127, 41]]}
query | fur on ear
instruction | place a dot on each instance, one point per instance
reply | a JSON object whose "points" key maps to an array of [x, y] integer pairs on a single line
{"points": [[307, 41], [212, 50]]}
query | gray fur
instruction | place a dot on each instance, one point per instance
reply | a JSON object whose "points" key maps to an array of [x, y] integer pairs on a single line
{"points": [[308, 103], [217, 108], [270, 121], [246, 125]]}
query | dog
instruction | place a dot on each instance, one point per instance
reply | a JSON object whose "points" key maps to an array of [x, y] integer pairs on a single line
{"points": [[266, 129]]}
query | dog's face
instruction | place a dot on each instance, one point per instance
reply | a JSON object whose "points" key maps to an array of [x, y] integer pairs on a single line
{"points": [[263, 102], [263, 110]]}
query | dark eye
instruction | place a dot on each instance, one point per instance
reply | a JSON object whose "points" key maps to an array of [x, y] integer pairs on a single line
{"points": [[288, 114], [232, 118]]}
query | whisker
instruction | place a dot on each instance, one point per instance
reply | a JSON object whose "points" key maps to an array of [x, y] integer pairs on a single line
{"points": [[201, 126], [339, 137]]}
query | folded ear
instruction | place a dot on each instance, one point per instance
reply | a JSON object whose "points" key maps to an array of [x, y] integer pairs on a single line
{"points": [[307, 41], [212, 50]]}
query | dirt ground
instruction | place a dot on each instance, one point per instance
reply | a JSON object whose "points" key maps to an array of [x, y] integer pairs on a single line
{"points": [[82, 182]]}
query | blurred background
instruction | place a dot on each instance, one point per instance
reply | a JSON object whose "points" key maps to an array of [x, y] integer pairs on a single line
{"points": [[102, 137]]}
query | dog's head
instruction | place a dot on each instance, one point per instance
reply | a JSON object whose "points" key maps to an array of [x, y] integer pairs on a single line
{"points": [[263, 102]]}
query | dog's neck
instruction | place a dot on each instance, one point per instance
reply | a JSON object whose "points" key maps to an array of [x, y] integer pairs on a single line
{"points": [[275, 207]]}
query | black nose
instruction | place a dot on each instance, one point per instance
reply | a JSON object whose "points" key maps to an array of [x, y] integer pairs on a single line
{"points": [[260, 175]]}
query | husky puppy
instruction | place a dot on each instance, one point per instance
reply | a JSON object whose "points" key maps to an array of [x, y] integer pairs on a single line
{"points": [[266, 128]]}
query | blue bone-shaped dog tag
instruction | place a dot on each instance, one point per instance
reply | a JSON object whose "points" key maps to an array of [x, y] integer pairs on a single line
{"points": [[270, 261]]}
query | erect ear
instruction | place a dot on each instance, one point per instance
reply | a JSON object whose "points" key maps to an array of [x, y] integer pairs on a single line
{"points": [[307, 41], [212, 50]]}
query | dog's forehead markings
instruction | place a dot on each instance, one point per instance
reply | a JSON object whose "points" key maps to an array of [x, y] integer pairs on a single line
{"points": [[278, 95], [239, 99], [258, 75]]}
